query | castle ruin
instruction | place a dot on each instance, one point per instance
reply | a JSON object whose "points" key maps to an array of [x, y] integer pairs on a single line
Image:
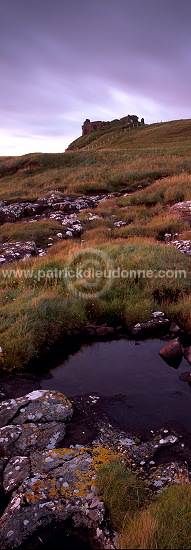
{"points": [[88, 127]]}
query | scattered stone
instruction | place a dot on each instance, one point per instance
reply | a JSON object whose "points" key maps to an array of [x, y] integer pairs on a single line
{"points": [[168, 439], [183, 209], [182, 246], [92, 218], [55, 204], [167, 236], [157, 324], [120, 223], [126, 441], [10, 252]]}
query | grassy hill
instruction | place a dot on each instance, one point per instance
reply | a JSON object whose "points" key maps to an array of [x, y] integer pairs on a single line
{"points": [[151, 167], [130, 158], [177, 132]]}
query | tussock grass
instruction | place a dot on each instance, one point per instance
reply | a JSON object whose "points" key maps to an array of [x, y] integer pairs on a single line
{"points": [[168, 191], [122, 492], [164, 524]]}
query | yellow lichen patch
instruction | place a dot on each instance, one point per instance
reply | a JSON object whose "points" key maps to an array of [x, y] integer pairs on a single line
{"points": [[102, 455], [38, 485], [83, 482], [53, 491], [78, 478], [30, 498]]}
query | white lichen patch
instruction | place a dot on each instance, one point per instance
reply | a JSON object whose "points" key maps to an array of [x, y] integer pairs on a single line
{"points": [[10, 533]]}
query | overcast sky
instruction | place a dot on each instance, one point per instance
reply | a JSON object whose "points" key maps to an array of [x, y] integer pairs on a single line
{"points": [[63, 61]]}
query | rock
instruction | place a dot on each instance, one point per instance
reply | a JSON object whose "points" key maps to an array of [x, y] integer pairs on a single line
{"points": [[3, 462], [182, 209], [17, 469], [144, 453], [53, 206], [104, 330], [11, 252], [174, 328], [172, 351], [14, 212], [157, 314], [58, 488], [168, 439], [182, 246], [37, 419], [185, 376], [120, 223], [157, 324], [187, 354]]}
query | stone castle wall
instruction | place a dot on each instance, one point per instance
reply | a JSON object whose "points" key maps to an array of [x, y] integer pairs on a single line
{"points": [[89, 126]]}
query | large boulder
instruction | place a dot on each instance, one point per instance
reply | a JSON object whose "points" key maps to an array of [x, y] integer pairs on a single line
{"points": [[59, 487], [172, 352], [35, 420]]}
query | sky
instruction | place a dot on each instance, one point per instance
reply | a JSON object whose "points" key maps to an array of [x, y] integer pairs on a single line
{"points": [[63, 61]]}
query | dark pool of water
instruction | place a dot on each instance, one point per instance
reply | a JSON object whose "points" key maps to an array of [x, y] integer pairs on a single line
{"points": [[153, 389]]}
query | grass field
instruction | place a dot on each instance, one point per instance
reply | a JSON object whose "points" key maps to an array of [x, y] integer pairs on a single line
{"points": [[151, 166]]}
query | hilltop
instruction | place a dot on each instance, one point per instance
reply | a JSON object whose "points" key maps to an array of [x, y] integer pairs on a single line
{"points": [[121, 134]]}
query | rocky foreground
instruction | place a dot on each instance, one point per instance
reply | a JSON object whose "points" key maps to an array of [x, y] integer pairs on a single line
{"points": [[45, 484]]}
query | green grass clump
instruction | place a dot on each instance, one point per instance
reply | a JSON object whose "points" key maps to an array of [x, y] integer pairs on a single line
{"points": [[123, 494], [33, 321]]}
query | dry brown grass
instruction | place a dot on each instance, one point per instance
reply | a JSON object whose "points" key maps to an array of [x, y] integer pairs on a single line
{"points": [[140, 532]]}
